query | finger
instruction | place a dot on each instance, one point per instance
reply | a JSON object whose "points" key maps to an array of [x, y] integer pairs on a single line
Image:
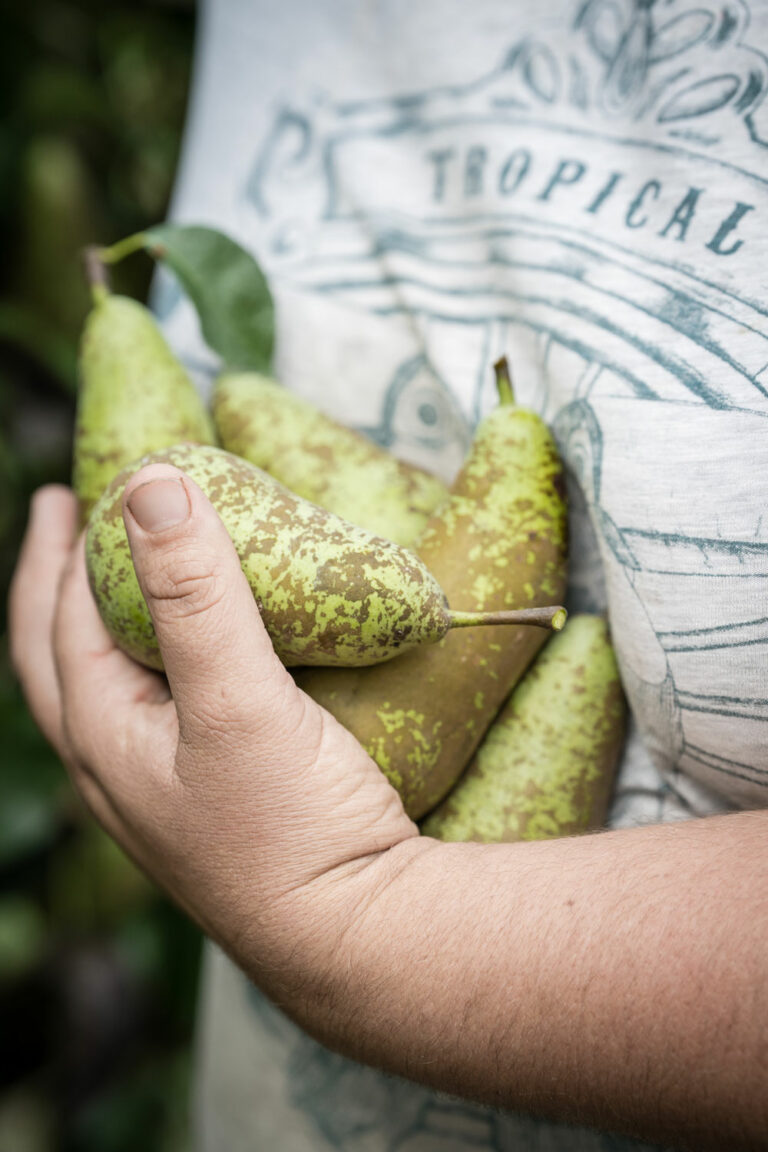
{"points": [[32, 601], [118, 717], [222, 669]]}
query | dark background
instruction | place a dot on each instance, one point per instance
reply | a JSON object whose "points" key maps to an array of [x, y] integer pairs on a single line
{"points": [[98, 972]]}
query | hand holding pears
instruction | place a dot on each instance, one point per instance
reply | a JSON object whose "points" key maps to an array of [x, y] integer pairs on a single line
{"points": [[331, 594]]}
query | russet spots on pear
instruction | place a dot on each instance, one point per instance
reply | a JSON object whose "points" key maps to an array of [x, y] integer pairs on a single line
{"points": [[329, 592], [324, 462], [547, 764], [506, 502]]}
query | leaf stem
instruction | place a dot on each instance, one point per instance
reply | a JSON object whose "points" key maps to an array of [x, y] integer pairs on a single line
{"points": [[117, 252]]}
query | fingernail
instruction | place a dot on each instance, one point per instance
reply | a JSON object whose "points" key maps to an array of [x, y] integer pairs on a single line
{"points": [[159, 504]]}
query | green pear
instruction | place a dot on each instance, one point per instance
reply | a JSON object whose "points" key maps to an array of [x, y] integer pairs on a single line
{"points": [[499, 541], [321, 460], [547, 764], [134, 396], [329, 592]]}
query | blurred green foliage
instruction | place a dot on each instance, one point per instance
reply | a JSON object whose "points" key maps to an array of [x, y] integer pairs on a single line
{"points": [[98, 973]]}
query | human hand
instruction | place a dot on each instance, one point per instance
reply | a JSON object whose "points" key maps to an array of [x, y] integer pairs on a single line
{"points": [[238, 794]]}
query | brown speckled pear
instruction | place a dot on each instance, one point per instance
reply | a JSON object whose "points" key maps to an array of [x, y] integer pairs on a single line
{"points": [[134, 396], [329, 593], [498, 543], [321, 460], [547, 764]]}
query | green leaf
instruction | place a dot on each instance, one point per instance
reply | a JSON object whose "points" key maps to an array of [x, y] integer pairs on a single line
{"points": [[227, 287]]}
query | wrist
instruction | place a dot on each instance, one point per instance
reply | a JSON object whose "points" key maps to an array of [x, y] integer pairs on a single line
{"points": [[325, 932]]}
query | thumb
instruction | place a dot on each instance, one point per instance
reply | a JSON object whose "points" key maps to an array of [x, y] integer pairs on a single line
{"points": [[220, 663]]}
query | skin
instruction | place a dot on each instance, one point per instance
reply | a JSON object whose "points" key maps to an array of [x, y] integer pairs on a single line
{"points": [[330, 593], [134, 397], [616, 979], [321, 460], [546, 765], [498, 542]]}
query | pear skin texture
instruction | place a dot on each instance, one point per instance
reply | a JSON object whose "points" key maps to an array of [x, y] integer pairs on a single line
{"points": [[500, 541], [134, 397], [329, 593], [321, 460], [547, 764]]}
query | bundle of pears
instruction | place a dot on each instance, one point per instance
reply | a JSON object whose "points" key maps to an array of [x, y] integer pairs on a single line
{"points": [[494, 718]]}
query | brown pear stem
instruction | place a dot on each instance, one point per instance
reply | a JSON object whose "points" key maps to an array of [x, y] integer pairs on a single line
{"points": [[553, 618], [96, 273], [504, 382]]}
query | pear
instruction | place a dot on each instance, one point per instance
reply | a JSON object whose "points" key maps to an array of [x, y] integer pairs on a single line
{"points": [[321, 460], [134, 396], [499, 541], [546, 767], [329, 592]]}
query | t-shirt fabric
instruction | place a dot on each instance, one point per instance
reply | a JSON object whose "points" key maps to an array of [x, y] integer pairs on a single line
{"points": [[583, 186]]}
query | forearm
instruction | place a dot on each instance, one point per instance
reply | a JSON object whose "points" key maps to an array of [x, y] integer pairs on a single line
{"points": [[609, 979]]}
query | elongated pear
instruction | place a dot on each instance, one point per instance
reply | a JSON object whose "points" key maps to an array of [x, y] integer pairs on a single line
{"points": [[134, 396], [499, 542], [547, 764], [321, 460], [329, 592]]}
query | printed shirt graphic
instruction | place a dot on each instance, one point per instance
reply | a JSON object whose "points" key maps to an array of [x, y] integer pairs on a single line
{"points": [[584, 187]]}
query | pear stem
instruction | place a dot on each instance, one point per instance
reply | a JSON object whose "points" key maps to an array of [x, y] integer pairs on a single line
{"points": [[117, 252], [96, 274], [504, 382], [553, 618]]}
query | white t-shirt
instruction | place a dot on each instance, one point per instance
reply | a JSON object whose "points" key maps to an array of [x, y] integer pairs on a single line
{"points": [[582, 185]]}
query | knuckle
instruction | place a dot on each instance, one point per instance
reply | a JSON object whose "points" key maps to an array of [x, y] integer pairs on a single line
{"points": [[184, 586]]}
